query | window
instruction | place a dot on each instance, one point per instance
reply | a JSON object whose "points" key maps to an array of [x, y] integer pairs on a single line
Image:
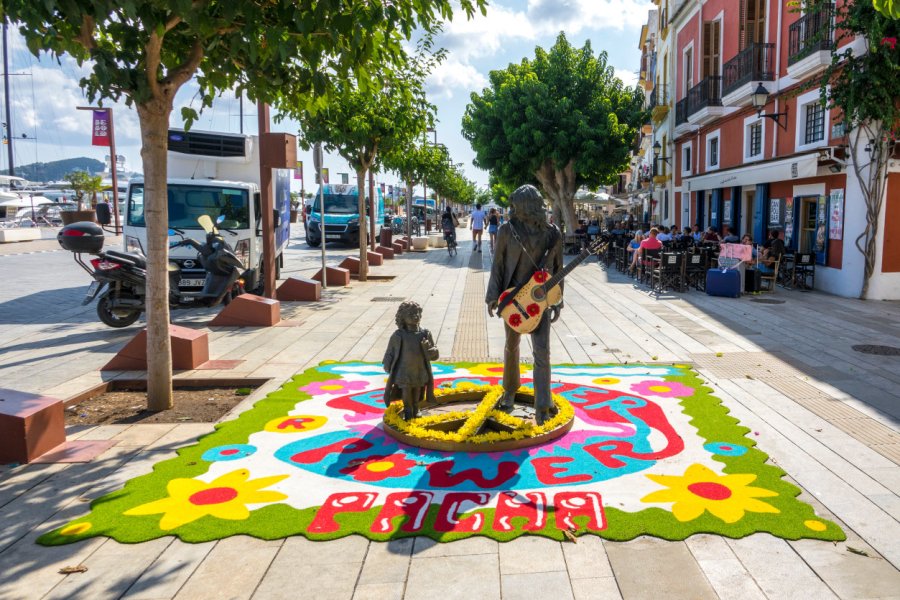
{"points": [[712, 42], [815, 123], [686, 159], [755, 139], [714, 152], [688, 69]]}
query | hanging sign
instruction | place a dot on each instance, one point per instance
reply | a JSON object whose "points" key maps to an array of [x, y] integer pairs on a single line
{"points": [[298, 172], [100, 134]]}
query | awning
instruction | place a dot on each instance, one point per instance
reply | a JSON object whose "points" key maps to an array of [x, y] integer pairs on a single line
{"points": [[796, 167]]}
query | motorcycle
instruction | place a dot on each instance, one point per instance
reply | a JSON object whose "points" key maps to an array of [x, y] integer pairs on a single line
{"points": [[120, 278]]}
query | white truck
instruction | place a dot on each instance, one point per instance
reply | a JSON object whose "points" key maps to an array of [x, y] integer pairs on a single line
{"points": [[214, 174]]}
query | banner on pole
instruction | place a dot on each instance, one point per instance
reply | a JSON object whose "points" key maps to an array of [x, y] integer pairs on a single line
{"points": [[100, 135], [298, 172], [325, 175]]}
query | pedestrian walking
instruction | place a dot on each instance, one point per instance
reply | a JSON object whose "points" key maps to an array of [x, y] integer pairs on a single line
{"points": [[493, 226], [477, 225]]}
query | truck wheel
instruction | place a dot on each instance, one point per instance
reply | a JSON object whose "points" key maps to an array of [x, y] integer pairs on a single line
{"points": [[312, 242], [115, 317]]}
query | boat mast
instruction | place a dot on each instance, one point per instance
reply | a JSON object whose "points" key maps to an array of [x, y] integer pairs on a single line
{"points": [[9, 132]]}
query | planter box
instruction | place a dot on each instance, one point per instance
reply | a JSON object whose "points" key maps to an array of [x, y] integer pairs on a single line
{"points": [[74, 216]]}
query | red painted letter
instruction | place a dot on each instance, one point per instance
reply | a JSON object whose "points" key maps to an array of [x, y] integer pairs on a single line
{"points": [[343, 446], [448, 517], [412, 505], [546, 472], [324, 521], [532, 506], [576, 504], [439, 475]]}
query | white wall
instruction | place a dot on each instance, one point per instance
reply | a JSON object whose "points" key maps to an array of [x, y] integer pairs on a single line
{"points": [[884, 286]]}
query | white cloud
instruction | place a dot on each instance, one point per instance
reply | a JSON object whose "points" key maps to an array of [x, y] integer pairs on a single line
{"points": [[454, 76], [574, 16], [629, 78]]}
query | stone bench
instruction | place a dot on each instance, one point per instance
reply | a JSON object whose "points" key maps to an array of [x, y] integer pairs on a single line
{"points": [[299, 289], [19, 234], [30, 425]]}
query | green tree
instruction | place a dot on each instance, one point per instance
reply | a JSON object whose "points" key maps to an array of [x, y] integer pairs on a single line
{"points": [[145, 50], [415, 164], [889, 8], [85, 186], [561, 120], [362, 123], [865, 87]]}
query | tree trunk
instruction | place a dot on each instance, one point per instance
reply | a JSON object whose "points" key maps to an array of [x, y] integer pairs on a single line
{"points": [[154, 120], [872, 180], [363, 225], [560, 186]]}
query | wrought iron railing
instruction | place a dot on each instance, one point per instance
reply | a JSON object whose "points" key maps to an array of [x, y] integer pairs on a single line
{"points": [[810, 33], [681, 113], [753, 63], [658, 96], [706, 93]]}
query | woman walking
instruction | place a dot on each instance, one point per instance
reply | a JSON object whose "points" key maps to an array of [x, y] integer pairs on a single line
{"points": [[493, 226]]}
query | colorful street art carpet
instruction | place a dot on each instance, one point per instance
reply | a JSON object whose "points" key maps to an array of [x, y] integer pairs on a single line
{"points": [[651, 452]]}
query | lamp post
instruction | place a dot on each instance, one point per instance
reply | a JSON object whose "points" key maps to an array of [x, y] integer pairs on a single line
{"points": [[113, 163]]}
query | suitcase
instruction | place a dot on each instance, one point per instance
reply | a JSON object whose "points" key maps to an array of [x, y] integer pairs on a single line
{"points": [[752, 281], [723, 283]]}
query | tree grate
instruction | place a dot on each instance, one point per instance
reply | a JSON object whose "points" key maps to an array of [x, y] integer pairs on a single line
{"points": [[387, 299], [766, 301], [877, 350]]}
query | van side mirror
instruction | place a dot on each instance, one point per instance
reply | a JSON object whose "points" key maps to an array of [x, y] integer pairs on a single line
{"points": [[104, 215], [307, 209]]}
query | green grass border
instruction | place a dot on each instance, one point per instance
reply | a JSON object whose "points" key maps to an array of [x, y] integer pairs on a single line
{"points": [[708, 415]]}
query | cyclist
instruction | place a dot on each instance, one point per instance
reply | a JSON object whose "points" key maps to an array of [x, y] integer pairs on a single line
{"points": [[449, 223]]}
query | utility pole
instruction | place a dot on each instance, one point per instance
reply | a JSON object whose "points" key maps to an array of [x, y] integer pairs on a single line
{"points": [[9, 129]]}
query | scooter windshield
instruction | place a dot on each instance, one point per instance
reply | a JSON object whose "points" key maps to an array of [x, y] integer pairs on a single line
{"points": [[206, 223]]}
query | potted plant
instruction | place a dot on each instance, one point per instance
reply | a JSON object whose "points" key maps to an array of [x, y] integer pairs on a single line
{"points": [[295, 206], [86, 187]]}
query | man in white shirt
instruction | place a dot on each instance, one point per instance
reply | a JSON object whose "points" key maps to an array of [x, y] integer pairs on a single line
{"points": [[477, 225]]}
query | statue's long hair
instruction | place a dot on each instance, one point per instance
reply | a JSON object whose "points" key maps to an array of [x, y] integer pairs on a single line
{"points": [[408, 312], [526, 207]]}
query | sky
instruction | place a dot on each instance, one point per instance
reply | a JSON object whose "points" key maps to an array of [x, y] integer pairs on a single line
{"points": [[45, 91]]}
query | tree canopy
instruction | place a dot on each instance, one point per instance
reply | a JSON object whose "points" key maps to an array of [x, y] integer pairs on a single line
{"points": [[560, 120]]}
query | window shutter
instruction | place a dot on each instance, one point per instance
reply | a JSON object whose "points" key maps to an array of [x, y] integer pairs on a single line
{"points": [[716, 44], [707, 27], [743, 22]]}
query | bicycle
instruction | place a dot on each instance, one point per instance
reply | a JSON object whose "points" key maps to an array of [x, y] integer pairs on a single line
{"points": [[450, 236]]}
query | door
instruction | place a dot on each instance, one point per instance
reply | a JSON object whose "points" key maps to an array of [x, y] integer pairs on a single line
{"points": [[747, 214], [806, 240], [711, 45]]}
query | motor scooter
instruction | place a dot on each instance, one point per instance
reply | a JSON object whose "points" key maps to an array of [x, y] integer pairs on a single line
{"points": [[120, 278]]}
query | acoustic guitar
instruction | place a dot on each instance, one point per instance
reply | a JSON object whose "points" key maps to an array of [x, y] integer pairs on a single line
{"points": [[522, 308]]}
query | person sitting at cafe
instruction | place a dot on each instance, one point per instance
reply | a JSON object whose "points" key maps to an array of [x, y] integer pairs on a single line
{"points": [[632, 250], [696, 234], [773, 250], [664, 235], [619, 229], [651, 242], [711, 236], [729, 236], [748, 241]]}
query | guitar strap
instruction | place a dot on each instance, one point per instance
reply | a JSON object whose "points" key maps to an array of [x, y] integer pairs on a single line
{"points": [[539, 267]]}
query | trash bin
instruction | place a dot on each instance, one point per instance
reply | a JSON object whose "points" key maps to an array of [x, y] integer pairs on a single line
{"points": [[427, 225], [385, 237]]}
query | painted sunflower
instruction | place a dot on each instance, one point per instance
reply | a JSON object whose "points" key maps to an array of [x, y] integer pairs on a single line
{"points": [[494, 369], [225, 497], [379, 468], [700, 489]]}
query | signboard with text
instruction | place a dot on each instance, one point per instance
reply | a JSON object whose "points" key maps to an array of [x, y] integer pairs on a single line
{"points": [[836, 215], [100, 129]]}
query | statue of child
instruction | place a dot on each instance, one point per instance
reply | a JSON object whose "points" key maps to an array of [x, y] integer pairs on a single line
{"points": [[407, 361]]}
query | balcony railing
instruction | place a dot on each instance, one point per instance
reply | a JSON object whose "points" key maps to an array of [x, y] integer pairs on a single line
{"points": [[811, 33], [658, 96], [706, 93], [753, 63], [681, 112]]}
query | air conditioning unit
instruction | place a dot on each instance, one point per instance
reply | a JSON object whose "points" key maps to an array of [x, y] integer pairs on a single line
{"points": [[210, 144]]}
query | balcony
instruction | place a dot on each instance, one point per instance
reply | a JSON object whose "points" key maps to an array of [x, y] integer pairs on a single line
{"points": [[753, 64], [681, 118], [704, 101], [810, 40]]}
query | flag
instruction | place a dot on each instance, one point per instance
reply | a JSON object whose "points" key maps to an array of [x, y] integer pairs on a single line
{"points": [[298, 172], [101, 128]]}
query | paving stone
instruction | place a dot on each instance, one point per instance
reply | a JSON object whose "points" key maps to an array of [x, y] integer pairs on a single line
{"points": [[350, 549], [777, 569], [234, 566], [587, 558], [730, 579], [169, 571], [601, 588], [652, 568], [454, 578], [289, 578], [850, 575], [427, 547], [387, 562], [531, 554], [379, 591], [526, 586]]}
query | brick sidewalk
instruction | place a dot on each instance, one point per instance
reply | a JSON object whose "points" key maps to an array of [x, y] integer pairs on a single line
{"points": [[827, 414]]}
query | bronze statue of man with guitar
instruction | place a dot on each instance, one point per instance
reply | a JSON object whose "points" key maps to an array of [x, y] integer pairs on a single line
{"points": [[528, 247], [526, 291]]}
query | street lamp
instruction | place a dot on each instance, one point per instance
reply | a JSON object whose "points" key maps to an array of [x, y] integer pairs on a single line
{"points": [[759, 99], [657, 150]]}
